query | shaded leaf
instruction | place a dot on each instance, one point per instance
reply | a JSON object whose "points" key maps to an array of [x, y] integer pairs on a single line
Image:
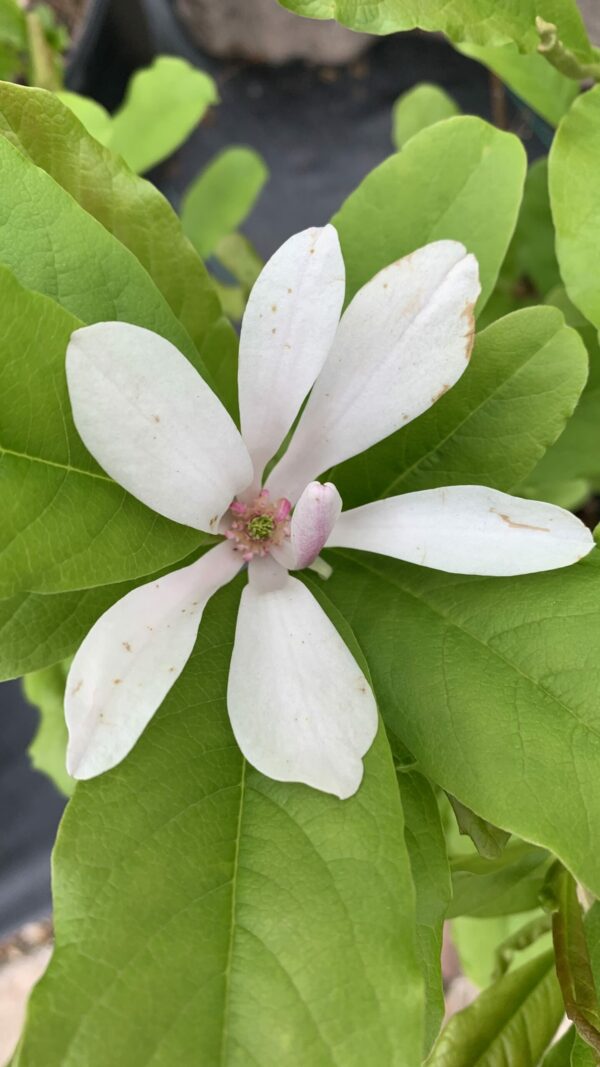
{"points": [[504, 886], [163, 104], [419, 107], [574, 164], [222, 196], [431, 877], [489, 840], [573, 966], [531, 77], [510, 1023], [45, 689]]}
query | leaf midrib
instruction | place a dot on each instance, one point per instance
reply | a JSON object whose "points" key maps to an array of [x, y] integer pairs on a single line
{"points": [[66, 467]]}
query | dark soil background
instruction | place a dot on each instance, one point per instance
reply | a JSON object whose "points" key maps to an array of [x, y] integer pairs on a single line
{"points": [[320, 129]]}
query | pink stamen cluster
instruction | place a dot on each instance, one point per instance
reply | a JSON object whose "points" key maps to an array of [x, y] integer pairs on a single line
{"points": [[260, 526]]}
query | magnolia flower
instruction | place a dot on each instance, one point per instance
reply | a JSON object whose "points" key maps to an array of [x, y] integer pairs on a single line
{"points": [[300, 707]]}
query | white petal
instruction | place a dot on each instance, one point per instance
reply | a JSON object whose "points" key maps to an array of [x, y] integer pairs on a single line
{"points": [[467, 529], [132, 656], [403, 341], [153, 424], [314, 517], [287, 331], [300, 707]]}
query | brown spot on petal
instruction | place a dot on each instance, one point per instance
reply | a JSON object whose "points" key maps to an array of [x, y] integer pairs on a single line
{"points": [[273, 330], [469, 317], [437, 396], [273, 307], [127, 646], [156, 418], [76, 689], [290, 290], [117, 681], [519, 525]]}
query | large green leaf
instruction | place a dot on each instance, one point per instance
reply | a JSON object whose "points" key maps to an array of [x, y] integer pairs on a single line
{"points": [[55, 247], [526, 376], [207, 915], [66, 524], [129, 207], [574, 166], [418, 108], [431, 877], [510, 1023], [482, 21], [162, 106], [46, 689], [460, 179], [492, 685]]}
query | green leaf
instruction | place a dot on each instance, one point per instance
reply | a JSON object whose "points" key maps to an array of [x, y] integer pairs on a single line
{"points": [[526, 375], [485, 21], [91, 115], [37, 629], [560, 1053], [574, 165], [422, 106], [489, 22], [532, 249], [582, 1055], [12, 25], [491, 684], [477, 942], [512, 1022], [508, 885], [222, 196], [164, 103], [61, 251], [531, 77], [66, 524], [127, 206], [489, 840], [574, 459], [471, 192], [431, 877], [573, 966], [241, 920], [46, 689]]}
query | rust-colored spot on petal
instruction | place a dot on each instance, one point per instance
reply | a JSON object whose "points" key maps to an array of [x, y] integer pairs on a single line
{"points": [[126, 646], [437, 396], [468, 315], [76, 689], [519, 525], [156, 418], [117, 681], [273, 307]]}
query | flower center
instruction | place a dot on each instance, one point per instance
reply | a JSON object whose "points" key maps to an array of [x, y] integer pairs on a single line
{"points": [[259, 526]]}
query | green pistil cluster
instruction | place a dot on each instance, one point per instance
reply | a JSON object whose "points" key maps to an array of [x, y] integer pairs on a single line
{"points": [[261, 527]]}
